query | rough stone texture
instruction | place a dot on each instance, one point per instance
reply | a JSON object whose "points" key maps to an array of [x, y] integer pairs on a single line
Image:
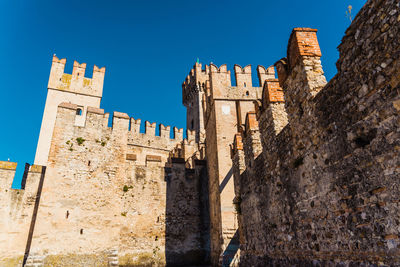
{"points": [[16, 211], [187, 218], [105, 197], [310, 180], [324, 192], [69, 88], [96, 198], [224, 111]]}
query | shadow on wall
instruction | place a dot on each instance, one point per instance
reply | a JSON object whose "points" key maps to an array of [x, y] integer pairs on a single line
{"points": [[187, 228], [229, 253], [225, 181], [35, 209]]}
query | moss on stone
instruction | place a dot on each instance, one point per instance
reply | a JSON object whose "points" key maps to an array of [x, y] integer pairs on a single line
{"points": [[11, 262], [76, 260], [143, 259]]}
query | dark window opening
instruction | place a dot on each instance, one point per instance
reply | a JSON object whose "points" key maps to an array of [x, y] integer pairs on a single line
{"points": [[88, 163], [81, 231], [79, 112], [244, 84], [192, 124], [67, 215], [247, 92]]}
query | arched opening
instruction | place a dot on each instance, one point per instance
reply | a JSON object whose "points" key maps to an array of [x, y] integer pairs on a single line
{"points": [[79, 112]]}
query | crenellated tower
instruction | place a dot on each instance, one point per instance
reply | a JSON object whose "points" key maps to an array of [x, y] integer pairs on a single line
{"points": [[193, 89], [220, 114], [72, 88]]}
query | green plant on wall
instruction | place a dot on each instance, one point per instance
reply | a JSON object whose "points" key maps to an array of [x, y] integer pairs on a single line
{"points": [[70, 145], [126, 188], [80, 140]]}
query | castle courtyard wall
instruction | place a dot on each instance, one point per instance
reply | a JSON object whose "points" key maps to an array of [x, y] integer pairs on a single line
{"points": [[329, 190]]}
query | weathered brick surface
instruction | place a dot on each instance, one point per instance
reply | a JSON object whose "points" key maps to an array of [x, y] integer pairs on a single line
{"points": [[187, 232], [325, 190], [311, 178]]}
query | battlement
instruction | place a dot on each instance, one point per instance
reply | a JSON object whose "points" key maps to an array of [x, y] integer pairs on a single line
{"points": [[123, 125], [221, 86], [272, 92], [237, 143], [195, 82], [7, 165], [219, 79], [8, 170], [188, 150], [76, 82]]}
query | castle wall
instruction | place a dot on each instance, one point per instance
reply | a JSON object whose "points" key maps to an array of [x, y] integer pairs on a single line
{"points": [[16, 212], [70, 88], [193, 89], [187, 219], [226, 111], [105, 193], [328, 193]]}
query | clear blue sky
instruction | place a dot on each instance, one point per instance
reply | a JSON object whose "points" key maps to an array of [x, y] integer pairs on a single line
{"points": [[148, 48]]}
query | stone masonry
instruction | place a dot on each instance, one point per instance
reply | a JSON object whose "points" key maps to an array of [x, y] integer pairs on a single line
{"points": [[311, 178], [324, 190]]}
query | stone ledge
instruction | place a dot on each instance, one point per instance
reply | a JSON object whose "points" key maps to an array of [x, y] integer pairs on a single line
{"points": [[131, 157], [6, 165], [95, 110], [68, 106], [117, 114], [36, 168], [153, 158]]}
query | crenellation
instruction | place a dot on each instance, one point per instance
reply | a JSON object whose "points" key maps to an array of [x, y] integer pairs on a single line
{"points": [[7, 165], [272, 93], [178, 134], [265, 73], [317, 189], [243, 76], [135, 126], [282, 69], [219, 77], [311, 177], [7, 173], [76, 82], [164, 131], [150, 128], [190, 134], [251, 139], [120, 121]]}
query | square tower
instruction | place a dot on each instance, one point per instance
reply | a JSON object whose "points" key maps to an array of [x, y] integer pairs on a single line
{"points": [[72, 88]]}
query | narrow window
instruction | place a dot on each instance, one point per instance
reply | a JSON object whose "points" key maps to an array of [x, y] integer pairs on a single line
{"points": [[79, 112], [244, 84], [247, 93], [192, 124], [81, 231], [67, 215]]}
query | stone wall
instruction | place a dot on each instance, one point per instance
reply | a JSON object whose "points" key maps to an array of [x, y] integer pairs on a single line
{"points": [[17, 210], [105, 197], [325, 188], [72, 88], [187, 232]]}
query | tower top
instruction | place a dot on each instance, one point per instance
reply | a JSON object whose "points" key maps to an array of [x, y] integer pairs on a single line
{"points": [[76, 82]]}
